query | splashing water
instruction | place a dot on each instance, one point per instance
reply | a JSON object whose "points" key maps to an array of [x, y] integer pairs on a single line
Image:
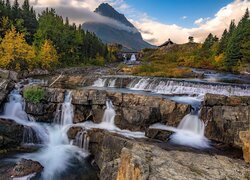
{"points": [[190, 132], [82, 140], [100, 82], [108, 123], [14, 110]]}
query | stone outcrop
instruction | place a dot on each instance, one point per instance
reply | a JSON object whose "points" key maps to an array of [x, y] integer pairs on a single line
{"points": [[226, 117], [26, 167], [144, 162], [11, 134], [120, 158], [134, 112], [245, 138]]}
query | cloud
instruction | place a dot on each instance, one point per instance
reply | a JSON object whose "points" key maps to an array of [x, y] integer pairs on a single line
{"points": [[80, 11], [216, 25], [184, 17], [152, 30]]}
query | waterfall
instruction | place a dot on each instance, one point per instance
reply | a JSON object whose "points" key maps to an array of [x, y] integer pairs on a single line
{"points": [[100, 82], [104, 82], [112, 83], [82, 140], [109, 113], [173, 86], [57, 153], [108, 123], [190, 132], [65, 112], [14, 110], [133, 58]]}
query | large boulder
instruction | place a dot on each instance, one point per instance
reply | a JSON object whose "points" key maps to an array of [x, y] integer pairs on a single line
{"points": [[121, 158], [143, 162], [226, 117], [26, 167], [11, 134], [42, 112]]}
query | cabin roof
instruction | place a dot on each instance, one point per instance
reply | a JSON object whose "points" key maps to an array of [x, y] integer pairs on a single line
{"points": [[167, 43]]}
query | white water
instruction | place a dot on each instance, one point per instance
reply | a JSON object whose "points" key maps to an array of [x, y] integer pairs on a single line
{"points": [[190, 132], [109, 124], [82, 140], [65, 112], [14, 110], [56, 153], [104, 82], [185, 87], [133, 58], [100, 82]]}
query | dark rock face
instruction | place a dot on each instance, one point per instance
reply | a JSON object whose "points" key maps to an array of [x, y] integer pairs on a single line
{"points": [[226, 117], [134, 112], [26, 167], [122, 158], [158, 134], [43, 112], [11, 134]]}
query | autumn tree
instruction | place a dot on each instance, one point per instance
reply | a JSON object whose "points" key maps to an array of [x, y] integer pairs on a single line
{"points": [[15, 53], [47, 56]]}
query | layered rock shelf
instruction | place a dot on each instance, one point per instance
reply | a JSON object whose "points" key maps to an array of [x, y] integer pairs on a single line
{"points": [[134, 112]]}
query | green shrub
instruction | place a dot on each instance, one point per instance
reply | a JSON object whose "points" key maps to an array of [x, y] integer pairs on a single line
{"points": [[33, 94]]}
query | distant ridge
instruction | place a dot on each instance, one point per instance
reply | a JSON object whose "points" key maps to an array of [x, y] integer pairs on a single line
{"points": [[131, 40]]}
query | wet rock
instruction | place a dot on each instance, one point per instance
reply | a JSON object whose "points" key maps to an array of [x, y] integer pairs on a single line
{"points": [[11, 134], [26, 167], [106, 147], [150, 162], [245, 138], [225, 118], [72, 132], [158, 134], [54, 95], [42, 112]]}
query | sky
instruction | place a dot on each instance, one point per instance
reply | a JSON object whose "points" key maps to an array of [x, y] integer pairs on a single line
{"points": [[157, 20]]}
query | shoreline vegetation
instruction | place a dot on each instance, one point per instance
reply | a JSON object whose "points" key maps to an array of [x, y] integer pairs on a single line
{"points": [[29, 41], [230, 53]]}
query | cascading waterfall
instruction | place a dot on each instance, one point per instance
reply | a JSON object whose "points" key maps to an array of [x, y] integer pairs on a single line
{"points": [[56, 156], [190, 132], [104, 82], [170, 86], [112, 83], [82, 140], [108, 123], [100, 82], [109, 114], [14, 110]]}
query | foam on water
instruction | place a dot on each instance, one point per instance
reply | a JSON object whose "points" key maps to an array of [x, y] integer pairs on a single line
{"points": [[190, 132], [108, 123]]}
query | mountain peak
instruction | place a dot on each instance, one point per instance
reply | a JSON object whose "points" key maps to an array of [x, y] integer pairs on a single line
{"points": [[107, 10]]}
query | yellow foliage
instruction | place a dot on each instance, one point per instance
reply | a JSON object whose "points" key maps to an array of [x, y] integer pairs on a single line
{"points": [[15, 53], [47, 57]]}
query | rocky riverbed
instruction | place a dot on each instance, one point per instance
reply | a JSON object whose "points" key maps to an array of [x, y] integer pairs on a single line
{"points": [[115, 156]]}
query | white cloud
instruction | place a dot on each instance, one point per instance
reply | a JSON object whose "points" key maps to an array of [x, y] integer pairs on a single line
{"points": [[152, 30], [157, 32], [184, 17]]}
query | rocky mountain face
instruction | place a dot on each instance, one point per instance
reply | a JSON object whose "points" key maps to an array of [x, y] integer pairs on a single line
{"points": [[128, 36]]}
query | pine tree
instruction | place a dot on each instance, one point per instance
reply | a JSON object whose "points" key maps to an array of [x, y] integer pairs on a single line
{"points": [[223, 42], [233, 53]]}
